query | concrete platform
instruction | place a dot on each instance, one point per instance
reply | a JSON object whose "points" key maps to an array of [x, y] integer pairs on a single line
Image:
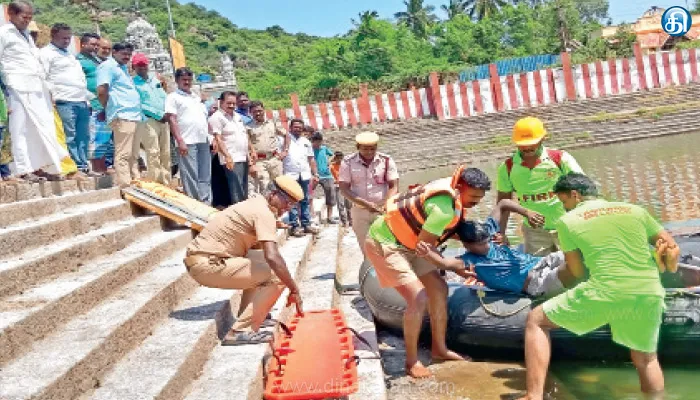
{"points": [[22, 271], [69, 222], [181, 345], [359, 317], [38, 311], [14, 192], [75, 357], [16, 212]]}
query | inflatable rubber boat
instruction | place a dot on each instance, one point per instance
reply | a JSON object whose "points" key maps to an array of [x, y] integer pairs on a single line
{"points": [[495, 322]]}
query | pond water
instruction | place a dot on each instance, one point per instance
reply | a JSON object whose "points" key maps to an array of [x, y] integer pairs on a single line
{"points": [[662, 174]]}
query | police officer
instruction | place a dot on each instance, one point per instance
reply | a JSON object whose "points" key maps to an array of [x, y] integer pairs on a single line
{"points": [[223, 256], [367, 178]]}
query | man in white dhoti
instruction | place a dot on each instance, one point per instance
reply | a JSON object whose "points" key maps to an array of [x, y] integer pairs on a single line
{"points": [[37, 153]]}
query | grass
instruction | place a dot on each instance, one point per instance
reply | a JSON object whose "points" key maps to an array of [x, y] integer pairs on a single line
{"points": [[653, 113], [583, 136], [501, 140]]}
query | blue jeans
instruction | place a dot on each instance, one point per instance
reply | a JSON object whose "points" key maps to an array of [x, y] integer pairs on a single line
{"points": [[195, 172], [75, 116], [304, 205], [4, 168]]}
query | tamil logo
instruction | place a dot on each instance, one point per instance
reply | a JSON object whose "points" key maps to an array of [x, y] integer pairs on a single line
{"points": [[676, 21]]}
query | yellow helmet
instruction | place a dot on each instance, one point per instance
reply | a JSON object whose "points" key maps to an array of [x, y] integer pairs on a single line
{"points": [[528, 131]]}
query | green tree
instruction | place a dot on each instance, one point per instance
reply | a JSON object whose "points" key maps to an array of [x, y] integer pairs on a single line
{"points": [[454, 8], [593, 10], [480, 9], [417, 16], [93, 7]]}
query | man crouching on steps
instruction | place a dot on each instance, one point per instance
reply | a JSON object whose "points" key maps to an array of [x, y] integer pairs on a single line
{"points": [[426, 214], [226, 255]]}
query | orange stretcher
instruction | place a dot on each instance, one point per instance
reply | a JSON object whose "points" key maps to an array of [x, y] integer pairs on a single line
{"points": [[313, 359], [169, 203]]}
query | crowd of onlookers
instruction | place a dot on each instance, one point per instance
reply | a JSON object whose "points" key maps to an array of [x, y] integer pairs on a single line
{"points": [[103, 111]]}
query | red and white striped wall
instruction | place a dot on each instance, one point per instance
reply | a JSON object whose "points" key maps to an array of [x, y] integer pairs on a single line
{"points": [[502, 93]]}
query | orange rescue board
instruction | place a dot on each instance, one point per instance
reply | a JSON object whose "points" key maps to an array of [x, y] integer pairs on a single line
{"points": [[316, 362]]}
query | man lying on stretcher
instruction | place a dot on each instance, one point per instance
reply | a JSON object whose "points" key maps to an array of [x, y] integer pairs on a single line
{"points": [[503, 268]]}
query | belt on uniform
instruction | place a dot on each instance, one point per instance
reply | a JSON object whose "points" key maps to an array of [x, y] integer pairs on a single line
{"points": [[191, 259], [265, 156]]}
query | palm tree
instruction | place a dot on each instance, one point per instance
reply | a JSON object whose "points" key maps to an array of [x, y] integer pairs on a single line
{"points": [[454, 8], [364, 26], [417, 17], [365, 18], [480, 9]]}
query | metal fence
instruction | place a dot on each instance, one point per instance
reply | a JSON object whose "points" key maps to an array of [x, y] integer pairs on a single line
{"points": [[510, 66]]}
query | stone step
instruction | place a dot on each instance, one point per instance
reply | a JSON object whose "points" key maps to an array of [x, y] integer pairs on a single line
{"points": [[181, 345], [551, 113], [41, 264], [10, 193], [75, 357], [16, 212], [236, 372], [558, 128], [38, 311], [317, 284], [72, 221], [448, 148]]}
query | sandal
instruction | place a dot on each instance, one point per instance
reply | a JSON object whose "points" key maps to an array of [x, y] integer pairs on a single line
{"points": [[76, 176], [242, 338], [32, 178], [50, 177]]}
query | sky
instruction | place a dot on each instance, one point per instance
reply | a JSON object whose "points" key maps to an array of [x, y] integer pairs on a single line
{"points": [[332, 17]]}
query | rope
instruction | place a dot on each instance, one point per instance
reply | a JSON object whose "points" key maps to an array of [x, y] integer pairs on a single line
{"points": [[682, 293], [481, 294]]}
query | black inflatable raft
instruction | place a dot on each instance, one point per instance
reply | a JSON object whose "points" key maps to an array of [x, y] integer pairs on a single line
{"points": [[497, 320]]}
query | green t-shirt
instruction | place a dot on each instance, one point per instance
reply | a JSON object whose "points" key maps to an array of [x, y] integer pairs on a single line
{"points": [[614, 240], [89, 66], [439, 209], [534, 187]]}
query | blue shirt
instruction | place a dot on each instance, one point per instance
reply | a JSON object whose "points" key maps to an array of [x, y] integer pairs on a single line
{"points": [[502, 268], [124, 100], [245, 115], [321, 155], [152, 96]]}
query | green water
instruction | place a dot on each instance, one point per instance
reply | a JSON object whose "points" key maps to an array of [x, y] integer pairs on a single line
{"points": [[662, 174], [595, 381]]}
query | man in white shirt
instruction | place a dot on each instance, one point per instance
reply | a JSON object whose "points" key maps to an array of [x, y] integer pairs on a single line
{"points": [[37, 153], [300, 165], [187, 115], [68, 87], [231, 140]]}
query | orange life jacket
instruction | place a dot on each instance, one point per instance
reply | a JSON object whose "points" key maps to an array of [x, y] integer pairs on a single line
{"points": [[405, 212]]}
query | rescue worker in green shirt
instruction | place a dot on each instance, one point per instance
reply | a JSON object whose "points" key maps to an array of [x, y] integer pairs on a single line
{"points": [[531, 173], [612, 240]]}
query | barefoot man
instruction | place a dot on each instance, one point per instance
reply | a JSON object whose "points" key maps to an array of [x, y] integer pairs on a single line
{"points": [[624, 290], [426, 214]]}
